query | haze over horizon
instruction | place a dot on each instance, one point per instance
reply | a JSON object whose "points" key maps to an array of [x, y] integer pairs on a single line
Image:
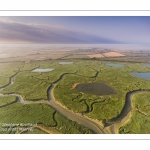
{"points": [[75, 29]]}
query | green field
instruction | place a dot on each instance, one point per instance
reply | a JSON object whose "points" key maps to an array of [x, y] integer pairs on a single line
{"points": [[7, 70], [40, 114], [140, 118], [4, 101], [33, 86]]}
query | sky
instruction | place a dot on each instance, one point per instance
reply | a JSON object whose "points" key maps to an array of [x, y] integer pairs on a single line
{"points": [[75, 29]]}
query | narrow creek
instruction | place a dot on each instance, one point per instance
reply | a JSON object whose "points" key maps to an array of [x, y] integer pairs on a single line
{"points": [[79, 118], [92, 124]]}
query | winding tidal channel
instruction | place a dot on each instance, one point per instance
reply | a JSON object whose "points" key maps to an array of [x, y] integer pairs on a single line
{"points": [[96, 126]]}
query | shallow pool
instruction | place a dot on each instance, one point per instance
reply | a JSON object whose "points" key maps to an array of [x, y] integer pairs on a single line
{"points": [[65, 63], [143, 75], [115, 65], [96, 89], [43, 70]]}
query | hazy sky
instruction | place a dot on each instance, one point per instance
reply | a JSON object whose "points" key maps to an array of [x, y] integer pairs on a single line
{"points": [[75, 29]]}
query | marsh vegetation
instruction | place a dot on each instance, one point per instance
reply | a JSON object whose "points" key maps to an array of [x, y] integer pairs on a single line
{"points": [[96, 89]]}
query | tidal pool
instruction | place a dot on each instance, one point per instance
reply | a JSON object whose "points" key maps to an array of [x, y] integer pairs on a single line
{"points": [[145, 65], [65, 63], [96, 89], [115, 65], [43, 70], [143, 75]]}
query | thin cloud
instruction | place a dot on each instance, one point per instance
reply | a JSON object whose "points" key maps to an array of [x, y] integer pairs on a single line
{"points": [[44, 33]]}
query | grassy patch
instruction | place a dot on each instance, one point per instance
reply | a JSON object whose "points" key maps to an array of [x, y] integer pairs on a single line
{"points": [[138, 124], [41, 114], [7, 70], [5, 100], [140, 117]]}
